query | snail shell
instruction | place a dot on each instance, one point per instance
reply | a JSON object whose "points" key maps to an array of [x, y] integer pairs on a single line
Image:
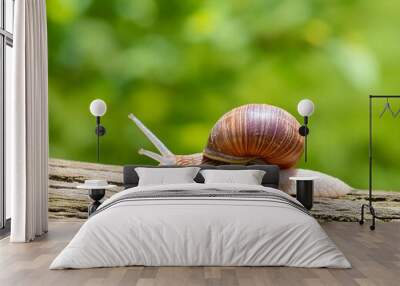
{"points": [[256, 131], [246, 134]]}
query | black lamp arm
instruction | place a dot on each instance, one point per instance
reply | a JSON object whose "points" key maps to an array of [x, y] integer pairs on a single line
{"points": [[304, 131], [100, 131]]}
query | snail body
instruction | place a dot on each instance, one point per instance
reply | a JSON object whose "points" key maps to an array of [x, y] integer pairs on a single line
{"points": [[245, 135]]}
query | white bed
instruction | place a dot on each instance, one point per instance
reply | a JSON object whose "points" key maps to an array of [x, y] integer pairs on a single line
{"points": [[183, 230]]}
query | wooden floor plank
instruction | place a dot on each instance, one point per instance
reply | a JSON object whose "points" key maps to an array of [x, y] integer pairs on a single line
{"points": [[375, 257]]}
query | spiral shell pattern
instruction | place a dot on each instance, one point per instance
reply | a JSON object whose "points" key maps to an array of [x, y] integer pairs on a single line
{"points": [[253, 132]]}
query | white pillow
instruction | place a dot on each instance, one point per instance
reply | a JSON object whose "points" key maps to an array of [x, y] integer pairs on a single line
{"points": [[166, 176], [247, 177]]}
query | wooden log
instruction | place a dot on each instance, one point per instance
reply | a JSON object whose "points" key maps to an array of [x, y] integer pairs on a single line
{"points": [[66, 202]]}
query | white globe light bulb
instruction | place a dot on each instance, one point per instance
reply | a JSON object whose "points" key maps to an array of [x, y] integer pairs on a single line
{"points": [[98, 107], [305, 107]]}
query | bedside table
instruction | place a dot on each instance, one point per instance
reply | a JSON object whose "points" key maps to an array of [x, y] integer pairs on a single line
{"points": [[96, 191], [305, 190]]}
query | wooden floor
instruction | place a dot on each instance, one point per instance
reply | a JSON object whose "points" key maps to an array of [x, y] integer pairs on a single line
{"points": [[375, 257]]}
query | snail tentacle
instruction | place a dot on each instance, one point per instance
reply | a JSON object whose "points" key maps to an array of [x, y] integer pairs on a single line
{"points": [[157, 157], [165, 152]]}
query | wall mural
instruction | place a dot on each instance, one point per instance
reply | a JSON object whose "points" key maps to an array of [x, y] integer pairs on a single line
{"points": [[184, 67]]}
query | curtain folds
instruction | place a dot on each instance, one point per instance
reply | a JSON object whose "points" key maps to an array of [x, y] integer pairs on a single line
{"points": [[27, 124]]}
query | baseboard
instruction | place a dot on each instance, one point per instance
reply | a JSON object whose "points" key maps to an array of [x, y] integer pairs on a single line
{"points": [[5, 231]]}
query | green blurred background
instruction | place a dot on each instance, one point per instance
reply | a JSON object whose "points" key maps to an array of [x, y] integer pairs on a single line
{"points": [[180, 65]]}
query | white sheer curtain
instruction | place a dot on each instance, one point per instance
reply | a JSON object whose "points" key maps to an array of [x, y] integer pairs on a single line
{"points": [[27, 123]]}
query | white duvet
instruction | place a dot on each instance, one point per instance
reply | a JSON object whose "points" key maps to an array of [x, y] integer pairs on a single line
{"points": [[200, 231]]}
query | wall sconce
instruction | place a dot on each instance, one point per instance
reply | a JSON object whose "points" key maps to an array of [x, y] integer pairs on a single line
{"points": [[305, 109], [98, 108]]}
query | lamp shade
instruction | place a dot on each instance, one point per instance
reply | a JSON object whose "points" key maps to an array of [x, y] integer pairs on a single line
{"points": [[98, 107], [305, 107]]}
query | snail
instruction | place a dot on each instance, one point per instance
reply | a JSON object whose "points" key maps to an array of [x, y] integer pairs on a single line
{"points": [[248, 134]]}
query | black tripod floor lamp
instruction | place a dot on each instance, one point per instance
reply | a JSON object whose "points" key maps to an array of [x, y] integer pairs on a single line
{"points": [[98, 108], [387, 108]]}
